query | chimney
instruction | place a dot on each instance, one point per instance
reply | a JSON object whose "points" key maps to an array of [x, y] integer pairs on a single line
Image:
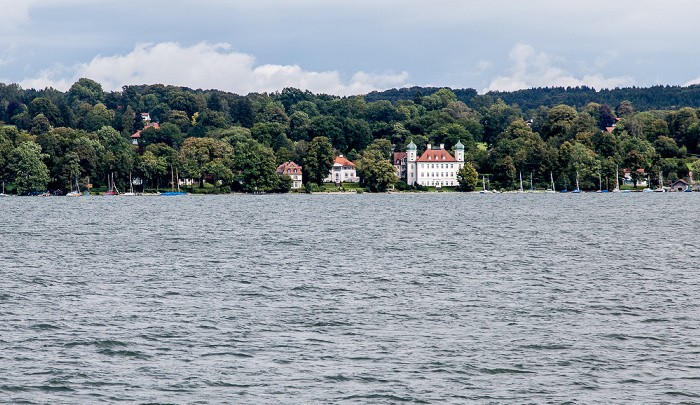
{"points": [[429, 147], [442, 146]]}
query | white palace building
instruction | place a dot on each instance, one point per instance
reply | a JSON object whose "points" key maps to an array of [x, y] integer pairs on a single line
{"points": [[435, 167]]}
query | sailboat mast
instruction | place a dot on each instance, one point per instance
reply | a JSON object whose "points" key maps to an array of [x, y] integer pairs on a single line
{"points": [[172, 179], [521, 181], [551, 178]]}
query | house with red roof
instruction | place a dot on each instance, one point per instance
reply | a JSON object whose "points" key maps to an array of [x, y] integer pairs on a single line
{"points": [[343, 171], [435, 167], [400, 164], [293, 170], [137, 135], [628, 180]]}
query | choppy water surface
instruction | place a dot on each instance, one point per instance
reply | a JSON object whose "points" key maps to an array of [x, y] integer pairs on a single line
{"points": [[417, 298]]}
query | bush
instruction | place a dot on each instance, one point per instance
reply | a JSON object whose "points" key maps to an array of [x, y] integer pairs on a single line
{"points": [[402, 186], [225, 190], [312, 188], [421, 188]]}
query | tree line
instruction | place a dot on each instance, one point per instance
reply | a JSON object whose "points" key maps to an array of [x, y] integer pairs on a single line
{"points": [[49, 138]]}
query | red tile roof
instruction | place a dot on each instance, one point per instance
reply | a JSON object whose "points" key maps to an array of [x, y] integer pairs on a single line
{"points": [[399, 155], [343, 162], [137, 134], [436, 155], [289, 168]]}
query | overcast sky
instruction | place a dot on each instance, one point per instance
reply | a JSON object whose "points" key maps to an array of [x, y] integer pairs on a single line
{"points": [[346, 47]]}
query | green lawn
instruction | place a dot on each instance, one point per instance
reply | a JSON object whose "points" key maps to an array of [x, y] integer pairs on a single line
{"points": [[345, 186]]}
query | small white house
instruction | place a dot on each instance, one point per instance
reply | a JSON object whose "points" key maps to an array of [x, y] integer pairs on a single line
{"points": [[628, 181], [343, 171]]}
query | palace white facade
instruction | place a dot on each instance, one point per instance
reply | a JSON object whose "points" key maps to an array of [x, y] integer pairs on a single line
{"points": [[435, 167]]}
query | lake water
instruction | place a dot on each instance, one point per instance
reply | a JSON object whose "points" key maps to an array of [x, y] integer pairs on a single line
{"points": [[350, 299]]}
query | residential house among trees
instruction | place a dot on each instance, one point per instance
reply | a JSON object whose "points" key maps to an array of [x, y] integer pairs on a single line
{"points": [[293, 170], [137, 135], [628, 179], [436, 167], [400, 164], [343, 171]]}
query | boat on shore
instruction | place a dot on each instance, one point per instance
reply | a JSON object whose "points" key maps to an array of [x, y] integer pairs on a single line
{"points": [[576, 190]]}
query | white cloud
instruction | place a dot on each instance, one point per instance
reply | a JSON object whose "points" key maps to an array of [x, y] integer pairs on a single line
{"points": [[532, 69], [207, 66]]}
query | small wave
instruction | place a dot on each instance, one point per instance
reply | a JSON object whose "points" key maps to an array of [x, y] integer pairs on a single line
{"points": [[51, 388], [331, 323], [45, 326], [682, 394], [504, 371], [617, 336], [125, 353], [337, 377], [97, 343], [230, 385], [546, 347], [647, 338], [387, 396], [236, 354], [13, 388]]}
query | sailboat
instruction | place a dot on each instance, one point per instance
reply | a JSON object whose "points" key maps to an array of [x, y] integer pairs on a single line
{"points": [[564, 190], [89, 186], [110, 183], [521, 182], [551, 178], [131, 187], [648, 189], [3, 190], [617, 179], [661, 184], [687, 189], [576, 190], [172, 185], [531, 189], [76, 192], [483, 185]]}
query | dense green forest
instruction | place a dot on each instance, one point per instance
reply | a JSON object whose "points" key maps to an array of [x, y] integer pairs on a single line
{"points": [[50, 138]]}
